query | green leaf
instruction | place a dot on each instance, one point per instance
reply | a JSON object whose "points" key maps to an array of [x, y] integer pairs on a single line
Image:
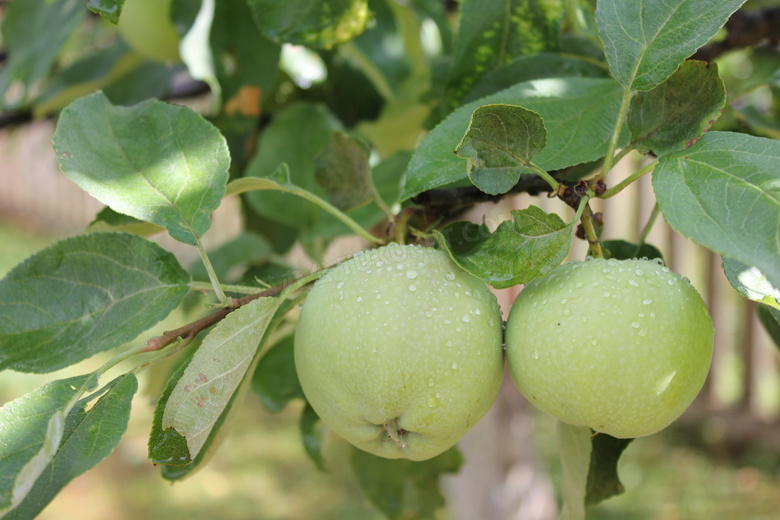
{"points": [[313, 23], [85, 295], [33, 33], [108, 9], [157, 162], [603, 481], [751, 283], [216, 371], [493, 33], [623, 250], [31, 429], [150, 79], [108, 220], [245, 249], [516, 252], [678, 111], [575, 112], [770, 319], [536, 66], [166, 446], [724, 193], [574, 447], [500, 142], [312, 436], [646, 41], [282, 142], [342, 170], [403, 489], [275, 379], [89, 437]]}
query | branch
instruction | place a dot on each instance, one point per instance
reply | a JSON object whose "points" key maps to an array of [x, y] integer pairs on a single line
{"points": [[191, 330], [745, 29]]}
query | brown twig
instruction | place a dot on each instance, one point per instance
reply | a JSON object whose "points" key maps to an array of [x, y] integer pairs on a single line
{"points": [[192, 329]]}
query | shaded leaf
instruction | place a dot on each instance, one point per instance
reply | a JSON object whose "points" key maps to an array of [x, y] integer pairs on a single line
{"points": [[275, 379], [646, 41], [518, 251], [85, 295], [314, 23], [724, 193], [33, 33], [623, 250], [536, 66], [245, 249], [577, 113], [574, 447], [678, 111], [89, 437], [157, 162], [282, 143], [770, 319], [108, 220], [311, 436], [403, 489], [603, 481], [31, 429], [166, 446], [500, 142], [342, 170], [494, 32], [751, 283], [108, 9], [216, 371]]}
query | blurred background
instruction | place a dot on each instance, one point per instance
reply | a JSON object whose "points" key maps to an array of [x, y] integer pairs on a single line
{"points": [[720, 460]]}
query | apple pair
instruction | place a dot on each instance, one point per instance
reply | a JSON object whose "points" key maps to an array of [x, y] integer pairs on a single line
{"points": [[400, 351]]}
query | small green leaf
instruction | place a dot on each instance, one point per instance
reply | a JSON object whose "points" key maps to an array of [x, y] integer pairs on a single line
{"points": [[516, 252], [492, 33], [574, 111], [166, 446], [603, 481], [85, 295], [313, 23], [108, 220], [751, 283], [342, 170], [770, 319], [678, 111], [623, 250], [645, 42], [574, 447], [311, 435], [500, 142], [33, 33], [216, 371], [89, 437], [157, 162], [275, 380], [724, 193], [31, 429], [403, 489], [108, 9]]}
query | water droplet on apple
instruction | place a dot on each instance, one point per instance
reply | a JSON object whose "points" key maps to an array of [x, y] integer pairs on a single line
{"points": [[449, 276], [454, 366], [642, 332], [411, 274], [412, 287], [339, 285], [634, 283], [594, 341], [536, 354], [635, 324], [466, 318], [647, 301], [449, 343]]}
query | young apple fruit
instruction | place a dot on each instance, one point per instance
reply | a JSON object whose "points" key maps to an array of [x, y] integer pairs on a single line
{"points": [[399, 351], [146, 27], [621, 346]]}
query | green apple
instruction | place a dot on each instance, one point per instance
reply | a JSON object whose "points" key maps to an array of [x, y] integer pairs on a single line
{"points": [[146, 27], [621, 346], [399, 351]]}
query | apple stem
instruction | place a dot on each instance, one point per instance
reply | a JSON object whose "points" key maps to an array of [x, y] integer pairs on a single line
{"points": [[396, 433]]}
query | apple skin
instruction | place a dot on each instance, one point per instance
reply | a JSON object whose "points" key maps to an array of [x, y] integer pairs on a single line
{"points": [[399, 351], [620, 346], [146, 27]]}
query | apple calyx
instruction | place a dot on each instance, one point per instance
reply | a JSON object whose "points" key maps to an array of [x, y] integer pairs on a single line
{"points": [[395, 433]]}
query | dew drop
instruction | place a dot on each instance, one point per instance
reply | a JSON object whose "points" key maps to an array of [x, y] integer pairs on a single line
{"points": [[635, 324], [647, 301], [594, 342], [563, 301], [634, 283], [536, 354], [476, 311], [431, 402], [412, 287], [449, 276], [642, 332], [411, 274], [359, 299], [454, 366], [429, 314], [430, 382], [579, 285], [639, 272], [466, 318], [449, 343], [339, 285]]}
